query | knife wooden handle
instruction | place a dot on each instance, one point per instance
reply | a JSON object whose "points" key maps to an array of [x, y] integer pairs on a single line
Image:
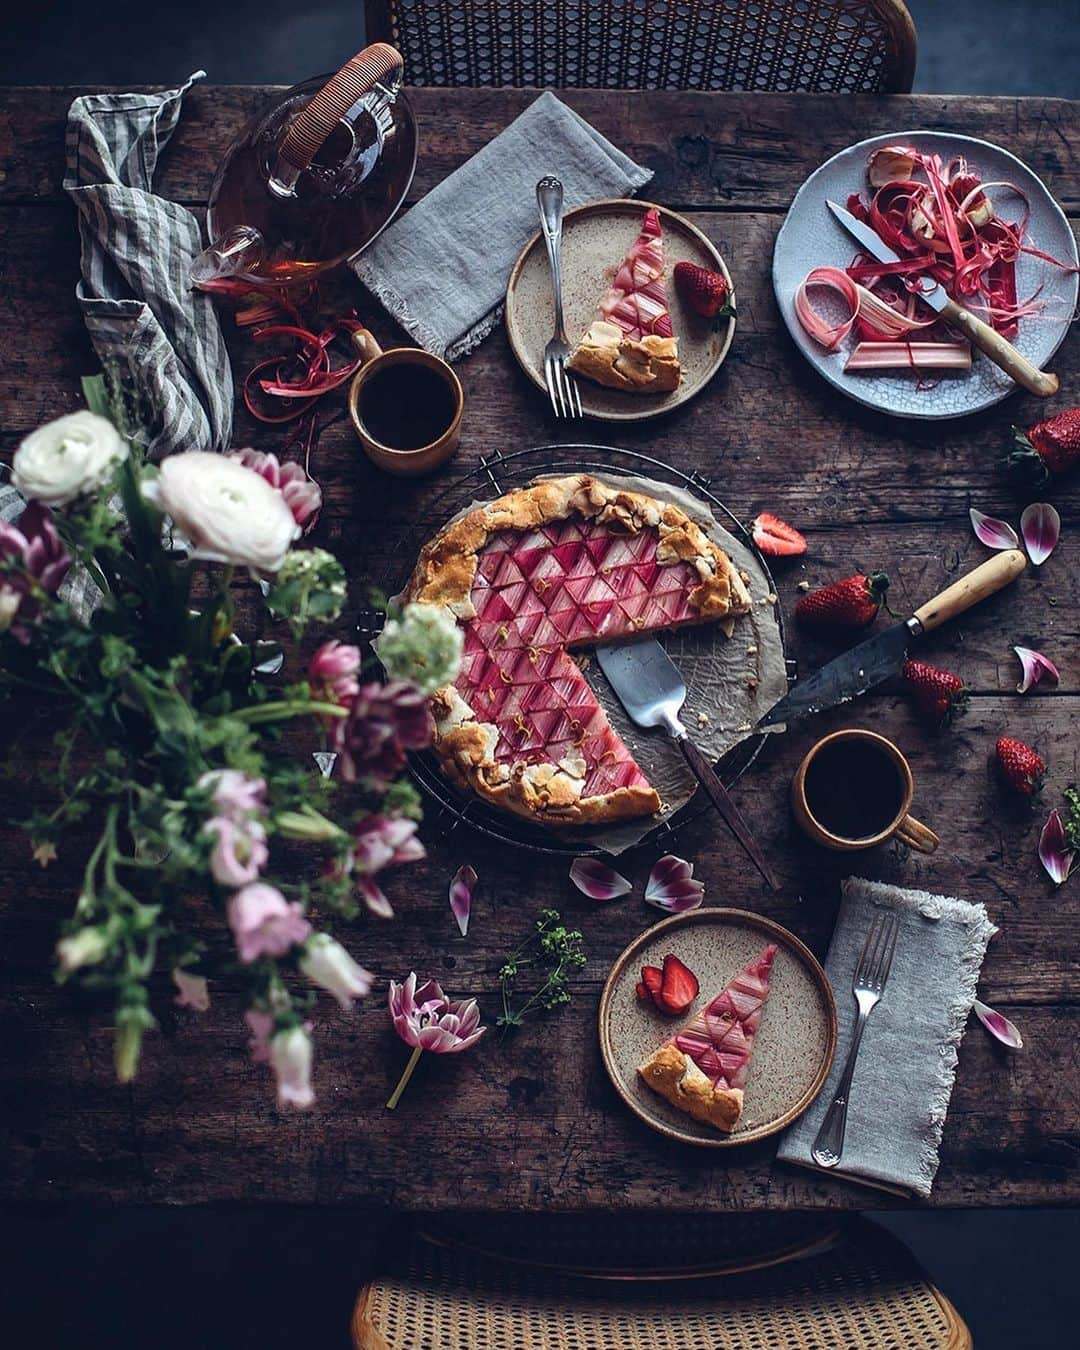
{"points": [[988, 578], [704, 772], [1000, 351]]}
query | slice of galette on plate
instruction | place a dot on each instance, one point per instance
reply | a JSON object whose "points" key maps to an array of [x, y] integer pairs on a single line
{"points": [[703, 1068], [530, 577], [630, 344]]}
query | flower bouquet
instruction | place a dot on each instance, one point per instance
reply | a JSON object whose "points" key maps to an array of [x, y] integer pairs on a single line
{"points": [[117, 587]]}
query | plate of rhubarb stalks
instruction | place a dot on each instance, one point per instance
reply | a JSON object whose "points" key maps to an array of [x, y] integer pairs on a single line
{"points": [[882, 236], [649, 306], [717, 1027]]}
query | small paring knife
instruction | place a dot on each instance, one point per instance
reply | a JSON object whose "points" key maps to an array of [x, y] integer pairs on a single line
{"points": [[987, 339], [652, 690], [884, 655]]}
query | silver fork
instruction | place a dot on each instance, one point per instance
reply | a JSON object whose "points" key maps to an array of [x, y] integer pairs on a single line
{"points": [[561, 385], [868, 987]]}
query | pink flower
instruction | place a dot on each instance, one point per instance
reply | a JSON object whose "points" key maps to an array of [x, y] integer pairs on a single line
{"points": [[378, 842], [261, 1026], [384, 721], [425, 1017], [332, 672], [264, 923], [236, 796], [239, 853], [32, 560], [302, 494]]}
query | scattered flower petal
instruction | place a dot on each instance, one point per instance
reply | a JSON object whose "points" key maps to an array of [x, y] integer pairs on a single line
{"points": [[671, 886], [597, 880], [1054, 855], [999, 1027], [194, 992], [1035, 667], [1040, 525], [461, 894], [992, 532]]}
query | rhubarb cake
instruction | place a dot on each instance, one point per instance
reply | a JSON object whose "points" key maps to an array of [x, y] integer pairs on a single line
{"points": [[703, 1068], [630, 344], [530, 577]]}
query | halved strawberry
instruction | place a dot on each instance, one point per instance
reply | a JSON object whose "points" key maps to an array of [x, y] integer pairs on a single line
{"points": [[679, 987], [775, 537], [649, 986]]}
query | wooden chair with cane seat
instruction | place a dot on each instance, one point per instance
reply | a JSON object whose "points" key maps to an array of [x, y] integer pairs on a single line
{"points": [[788, 46], [862, 1291]]}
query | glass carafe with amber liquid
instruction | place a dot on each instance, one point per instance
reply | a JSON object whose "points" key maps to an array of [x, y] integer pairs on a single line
{"points": [[314, 178]]}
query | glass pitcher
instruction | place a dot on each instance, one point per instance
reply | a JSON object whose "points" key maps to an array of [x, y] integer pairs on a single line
{"points": [[313, 178]]}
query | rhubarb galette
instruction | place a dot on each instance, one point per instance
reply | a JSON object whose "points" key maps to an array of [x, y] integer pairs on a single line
{"points": [[630, 344], [703, 1068], [530, 576]]}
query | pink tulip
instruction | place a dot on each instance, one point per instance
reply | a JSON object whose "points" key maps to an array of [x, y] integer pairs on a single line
{"points": [[427, 1020], [40, 564], [264, 923], [239, 853], [302, 494], [333, 671]]}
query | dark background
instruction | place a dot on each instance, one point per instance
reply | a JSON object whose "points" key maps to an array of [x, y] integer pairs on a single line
{"points": [[268, 1277]]}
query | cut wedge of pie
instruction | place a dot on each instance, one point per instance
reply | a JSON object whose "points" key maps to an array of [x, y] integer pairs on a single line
{"points": [[630, 344], [703, 1068], [530, 577]]}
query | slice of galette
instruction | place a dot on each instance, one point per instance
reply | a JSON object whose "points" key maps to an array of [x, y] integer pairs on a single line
{"points": [[703, 1068], [630, 345]]}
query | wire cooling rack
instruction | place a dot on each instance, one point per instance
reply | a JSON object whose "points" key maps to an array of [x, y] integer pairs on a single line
{"points": [[450, 809]]}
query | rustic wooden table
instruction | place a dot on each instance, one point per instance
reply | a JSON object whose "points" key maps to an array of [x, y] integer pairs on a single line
{"points": [[533, 1123]]}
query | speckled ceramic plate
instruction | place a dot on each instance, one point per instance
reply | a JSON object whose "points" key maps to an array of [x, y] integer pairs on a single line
{"points": [[595, 241], [811, 237], [794, 1046]]}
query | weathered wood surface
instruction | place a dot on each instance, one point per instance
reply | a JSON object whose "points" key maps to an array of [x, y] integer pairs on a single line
{"points": [[533, 1122]]}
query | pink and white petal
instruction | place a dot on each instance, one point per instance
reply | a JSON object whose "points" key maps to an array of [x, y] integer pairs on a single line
{"points": [[1035, 666], [461, 895], [992, 532], [1054, 853], [373, 896], [597, 880], [999, 1026], [671, 879], [677, 899], [1041, 527]]}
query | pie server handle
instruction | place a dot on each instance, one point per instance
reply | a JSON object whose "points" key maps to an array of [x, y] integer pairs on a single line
{"points": [[705, 774]]}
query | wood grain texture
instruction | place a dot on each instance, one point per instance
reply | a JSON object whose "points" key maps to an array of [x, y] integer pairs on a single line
{"points": [[532, 1122]]}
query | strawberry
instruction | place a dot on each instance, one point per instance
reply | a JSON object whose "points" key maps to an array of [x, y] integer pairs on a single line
{"points": [[671, 990], [705, 292], [1047, 448], [851, 603], [937, 693], [775, 537], [1021, 767]]}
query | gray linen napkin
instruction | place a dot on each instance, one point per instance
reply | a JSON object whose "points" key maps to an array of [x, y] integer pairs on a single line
{"points": [[441, 270], [143, 317], [907, 1062]]}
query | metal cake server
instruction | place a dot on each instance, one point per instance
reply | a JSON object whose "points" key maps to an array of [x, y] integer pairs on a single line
{"points": [[883, 655], [652, 690]]}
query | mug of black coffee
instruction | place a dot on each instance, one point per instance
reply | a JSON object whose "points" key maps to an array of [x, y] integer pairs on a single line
{"points": [[853, 790], [405, 406]]}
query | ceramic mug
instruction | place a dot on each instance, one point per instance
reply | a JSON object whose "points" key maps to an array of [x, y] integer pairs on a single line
{"points": [[870, 776], [390, 399]]}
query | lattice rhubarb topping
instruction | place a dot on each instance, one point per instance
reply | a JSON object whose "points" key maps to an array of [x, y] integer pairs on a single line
{"points": [[720, 1039], [637, 300]]}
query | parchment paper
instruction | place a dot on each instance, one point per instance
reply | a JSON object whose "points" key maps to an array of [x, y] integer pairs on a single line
{"points": [[731, 682]]}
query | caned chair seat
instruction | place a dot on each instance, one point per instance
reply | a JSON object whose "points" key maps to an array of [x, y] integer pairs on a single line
{"points": [[824, 46], [864, 1293]]}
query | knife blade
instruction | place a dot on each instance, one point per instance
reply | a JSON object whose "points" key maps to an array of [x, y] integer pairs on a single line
{"points": [[883, 655], [651, 688], [980, 334]]}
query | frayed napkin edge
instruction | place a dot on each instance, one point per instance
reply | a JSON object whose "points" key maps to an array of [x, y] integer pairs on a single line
{"points": [[973, 917]]}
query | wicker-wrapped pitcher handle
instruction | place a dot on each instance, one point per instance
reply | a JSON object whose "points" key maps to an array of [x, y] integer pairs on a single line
{"points": [[374, 65]]}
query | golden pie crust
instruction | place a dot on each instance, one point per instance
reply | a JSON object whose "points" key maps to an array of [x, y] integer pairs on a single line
{"points": [[677, 1078], [648, 365], [444, 575]]}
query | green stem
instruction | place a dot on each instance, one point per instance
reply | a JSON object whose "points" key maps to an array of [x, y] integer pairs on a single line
{"points": [[282, 708], [414, 1060]]}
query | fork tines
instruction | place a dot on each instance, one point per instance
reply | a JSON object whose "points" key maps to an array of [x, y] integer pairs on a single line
{"points": [[877, 953], [562, 387]]}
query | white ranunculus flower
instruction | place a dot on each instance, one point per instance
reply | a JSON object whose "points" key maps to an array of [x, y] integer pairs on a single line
{"points": [[68, 457], [228, 512]]}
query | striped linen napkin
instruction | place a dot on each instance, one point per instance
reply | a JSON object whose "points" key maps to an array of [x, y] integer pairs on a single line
{"points": [[911, 1039]]}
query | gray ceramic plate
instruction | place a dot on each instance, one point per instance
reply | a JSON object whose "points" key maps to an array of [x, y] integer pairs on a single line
{"points": [[810, 237], [794, 1046], [595, 241]]}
